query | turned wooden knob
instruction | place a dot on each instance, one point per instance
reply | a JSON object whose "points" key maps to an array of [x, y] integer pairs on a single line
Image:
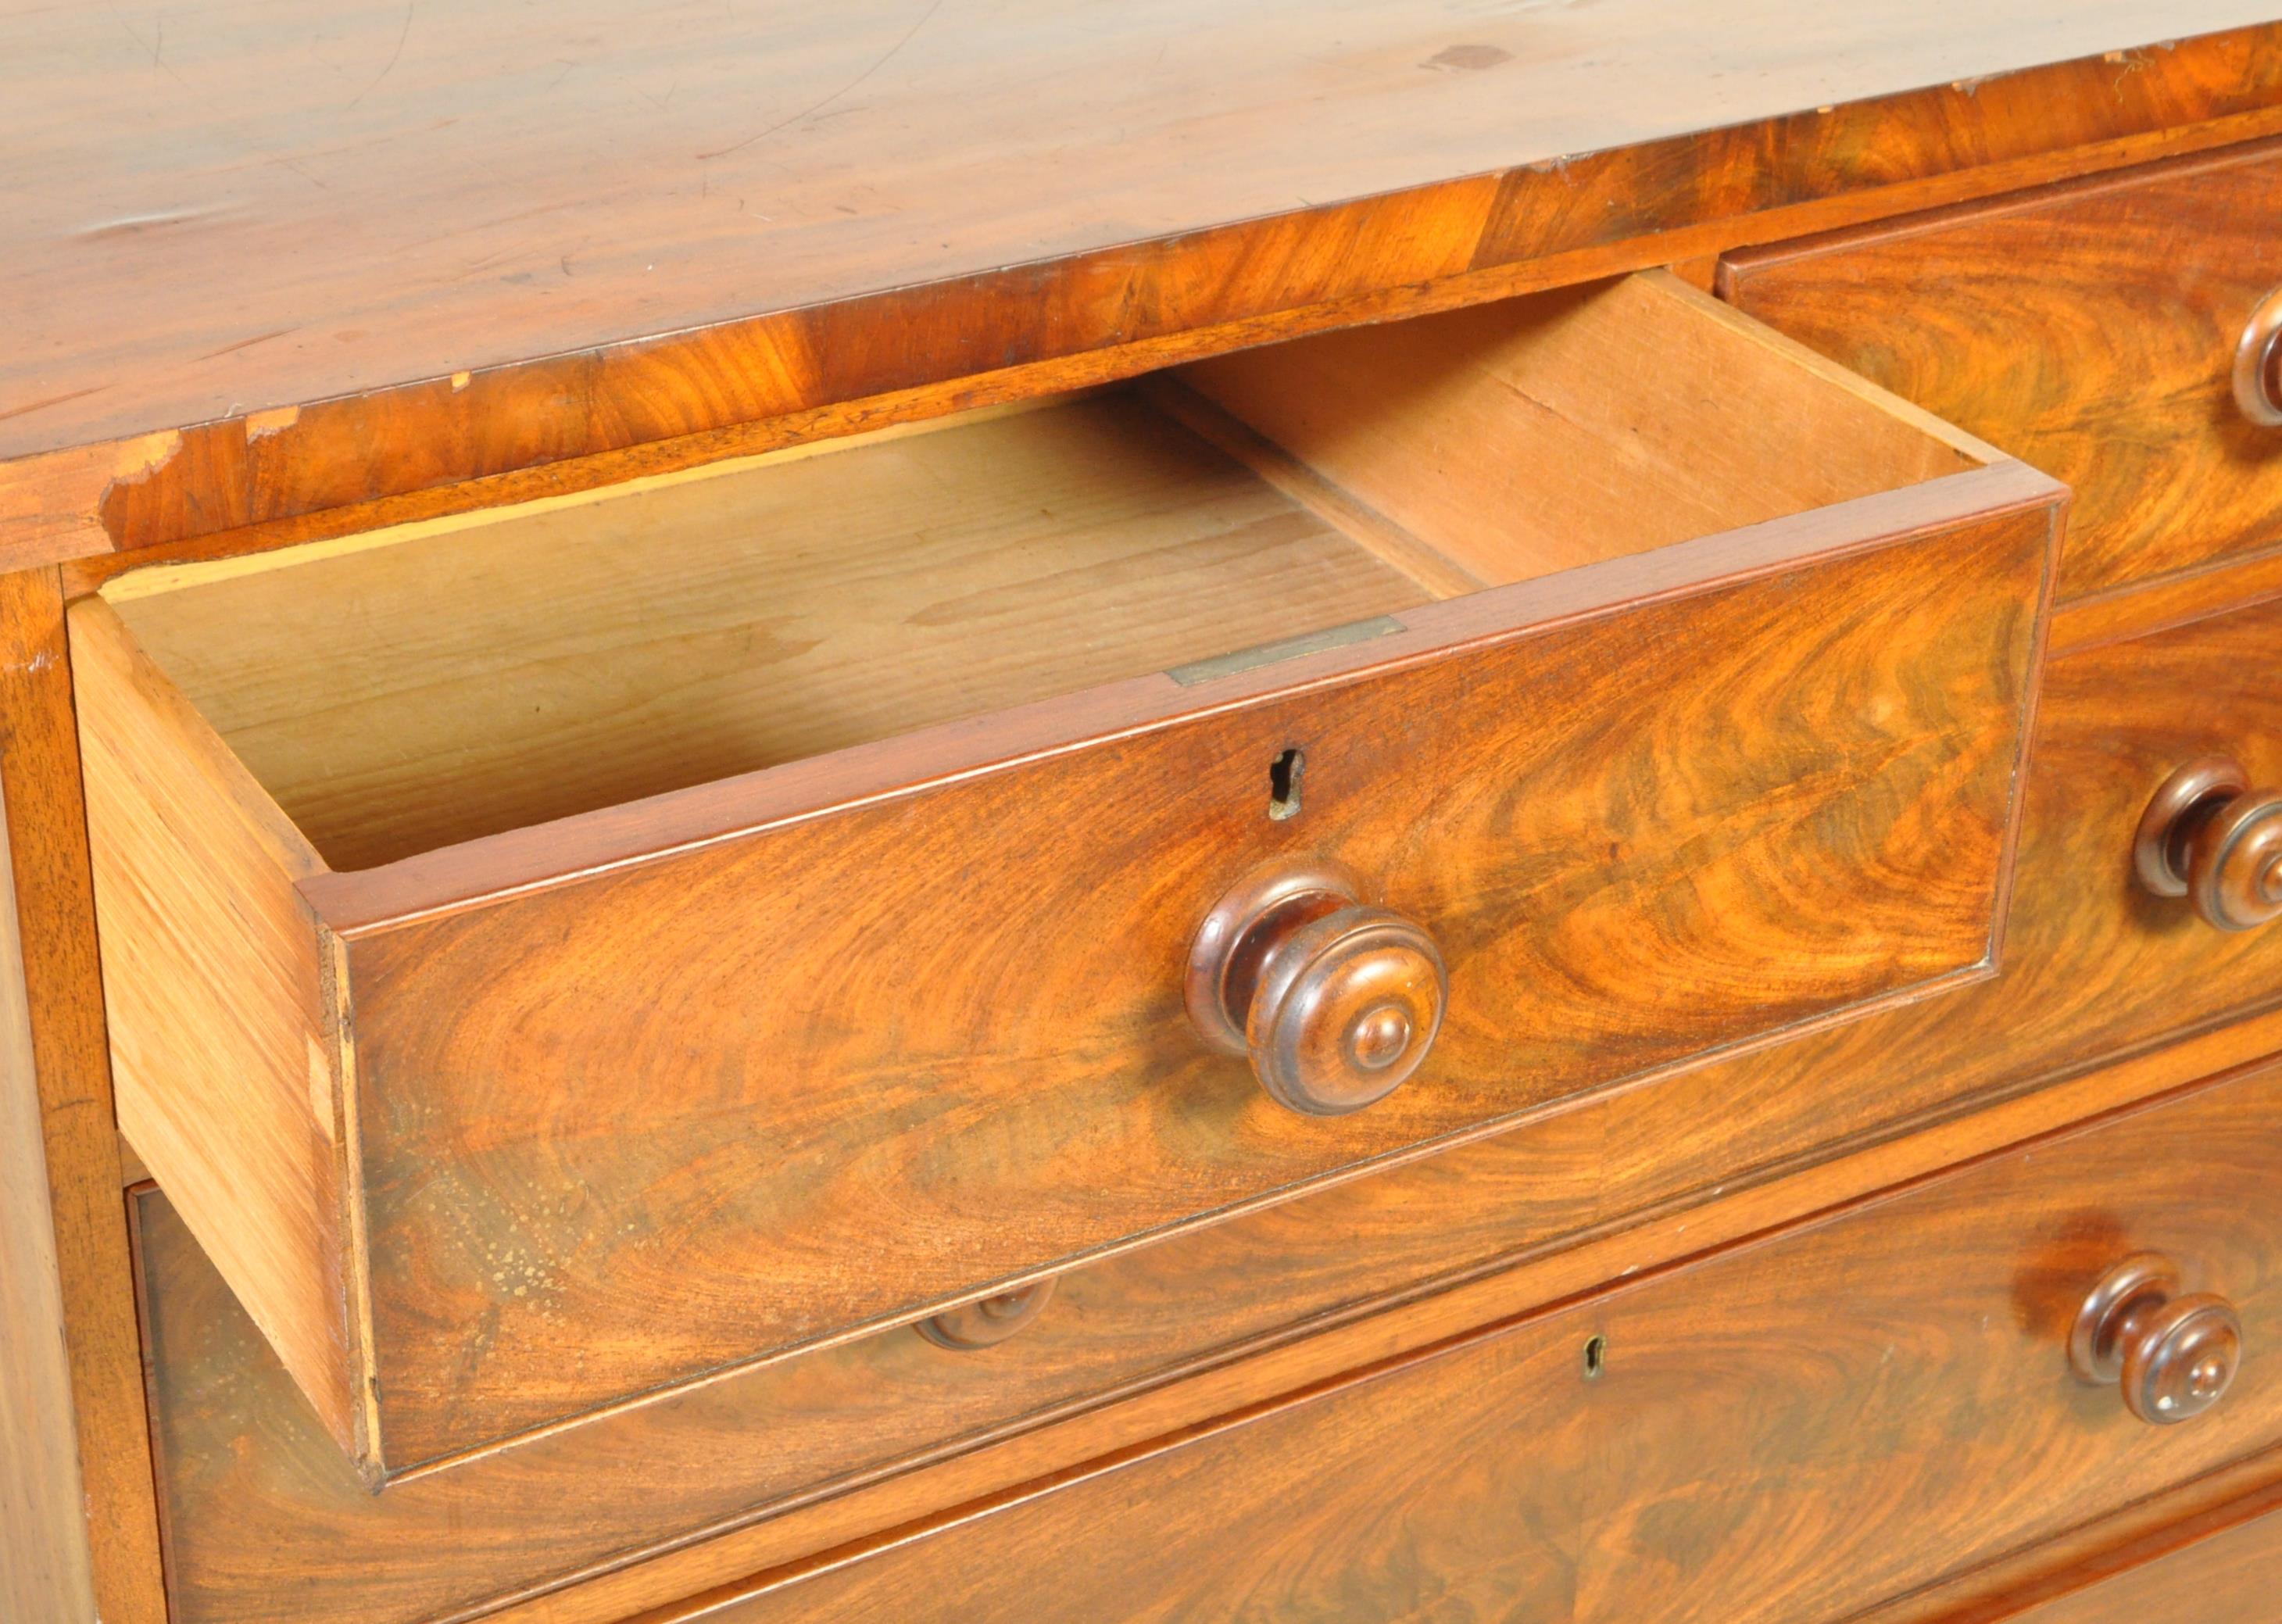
{"points": [[2258, 364], [2212, 838], [2209, 837], [2174, 1356], [1335, 1001], [993, 1319]]}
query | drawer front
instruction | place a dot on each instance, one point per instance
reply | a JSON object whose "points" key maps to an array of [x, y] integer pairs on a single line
{"points": [[561, 1115], [1792, 1431], [654, 1115], [2228, 1573], [2090, 330]]}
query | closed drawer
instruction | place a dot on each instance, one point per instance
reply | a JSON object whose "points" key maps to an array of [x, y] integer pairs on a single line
{"points": [[1791, 1430], [564, 955], [2091, 329]]}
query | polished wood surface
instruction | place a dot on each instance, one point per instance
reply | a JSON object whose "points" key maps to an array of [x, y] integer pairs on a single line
{"points": [[2091, 329], [2209, 836], [226, 1057], [518, 1064], [1789, 1432], [46, 1570], [501, 1019], [2226, 1573], [2093, 1553], [2173, 1354], [1541, 1330], [1540, 1182], [1334, 1002], [423, 250], [268, 1520], [2092, 968], [2089, 970], [54, 1000], [2085, 803]]}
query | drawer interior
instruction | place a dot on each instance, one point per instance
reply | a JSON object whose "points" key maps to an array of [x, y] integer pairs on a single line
{"points": [[406, 690]]}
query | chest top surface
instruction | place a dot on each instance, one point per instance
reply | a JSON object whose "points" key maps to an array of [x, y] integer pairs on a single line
{"points": [[229, 213]]}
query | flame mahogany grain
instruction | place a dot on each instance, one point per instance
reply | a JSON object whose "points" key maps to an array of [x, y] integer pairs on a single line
{"points": [[621, 1093], [2089, 328], [1976, 1304], [2094, 969], [1893, 1377], [261, 298], [501, 1056]]}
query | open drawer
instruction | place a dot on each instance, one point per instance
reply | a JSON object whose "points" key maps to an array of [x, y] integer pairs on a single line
{"points": [[555, 955]]}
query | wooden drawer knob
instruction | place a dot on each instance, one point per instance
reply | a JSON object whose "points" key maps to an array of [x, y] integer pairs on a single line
{"points": [[2175, 1357], [1335, 1001], [2258, 364], [993, 1319], [2209, 837]]}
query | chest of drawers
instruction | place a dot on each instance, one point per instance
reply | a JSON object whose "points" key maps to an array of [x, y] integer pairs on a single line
{"points": [[1001, 883]]}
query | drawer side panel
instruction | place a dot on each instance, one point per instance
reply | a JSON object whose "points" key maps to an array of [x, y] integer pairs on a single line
{"points": [[224, 1064]]}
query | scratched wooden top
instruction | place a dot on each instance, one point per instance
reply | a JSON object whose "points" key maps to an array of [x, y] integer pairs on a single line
{"points": [[223, 211]]}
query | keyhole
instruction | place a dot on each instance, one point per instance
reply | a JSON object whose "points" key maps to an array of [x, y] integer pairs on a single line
{"points": [[1284, 785], [1596, 1357]]}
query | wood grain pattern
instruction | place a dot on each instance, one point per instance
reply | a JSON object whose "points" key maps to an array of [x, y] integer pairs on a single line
{"points": [[1857, 846], [257, 478], [267, 1521], [1892, 1379], [822, 601], [46, 1570], [1540, 434], [358, 277], [2089, 1553], [1432, 568], [2089, 329], [909, 579], [226, 1051], [515, 996], [2092, 970], [2106, 972], [2175, 600], [2224, 1570], [54, 976]]}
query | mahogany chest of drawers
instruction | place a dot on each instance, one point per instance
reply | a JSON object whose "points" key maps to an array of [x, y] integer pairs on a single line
{"points": [[973, 814]]}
